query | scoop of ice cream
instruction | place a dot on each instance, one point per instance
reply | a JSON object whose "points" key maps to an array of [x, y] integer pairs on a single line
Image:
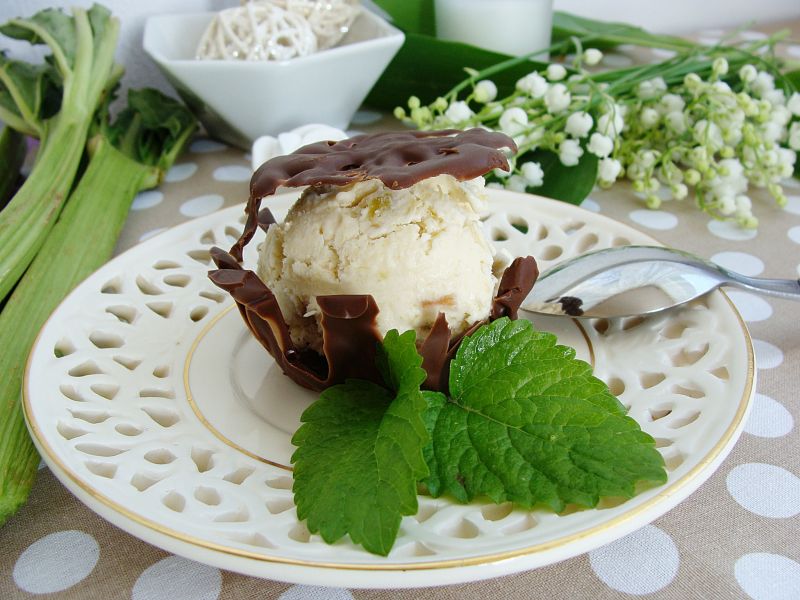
{"points": [[418, 251]]}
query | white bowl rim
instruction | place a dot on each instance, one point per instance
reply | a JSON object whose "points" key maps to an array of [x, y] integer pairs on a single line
{"points": [[390, 36]]}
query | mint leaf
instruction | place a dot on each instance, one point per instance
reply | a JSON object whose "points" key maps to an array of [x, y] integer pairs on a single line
{"points": [[435, 403], [359, 453], [529, 423]]}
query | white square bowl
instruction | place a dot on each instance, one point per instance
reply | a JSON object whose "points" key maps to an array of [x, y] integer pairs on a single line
{"points": [[238, 101]]}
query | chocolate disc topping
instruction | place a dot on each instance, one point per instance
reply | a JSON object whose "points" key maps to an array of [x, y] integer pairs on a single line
{"points": [[398, 159], [349, 330]]}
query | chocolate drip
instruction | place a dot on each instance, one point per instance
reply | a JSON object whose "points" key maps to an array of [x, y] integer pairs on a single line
{"points": [[434, 354], [350, 336], [398, 159], [571, 305], [515, 285], [265, 219]]}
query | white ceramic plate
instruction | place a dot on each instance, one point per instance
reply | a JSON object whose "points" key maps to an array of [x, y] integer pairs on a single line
{"points": [[150, 401]]}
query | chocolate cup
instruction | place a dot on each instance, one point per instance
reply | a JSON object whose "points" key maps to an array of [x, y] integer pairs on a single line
{"points": [[350, 336]]}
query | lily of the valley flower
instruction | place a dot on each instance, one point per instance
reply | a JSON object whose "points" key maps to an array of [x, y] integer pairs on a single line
{"points": [[485, 91], [570, 152], [600, 145], [513, 121], [557, 98], [579, 124], [532, 173], [714, 135]]}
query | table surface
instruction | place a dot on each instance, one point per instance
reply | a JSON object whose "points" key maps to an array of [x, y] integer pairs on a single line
{"points": [[736, 537]]}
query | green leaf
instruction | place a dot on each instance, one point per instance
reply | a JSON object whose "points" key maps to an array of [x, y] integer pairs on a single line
{"points": [[52, 22], [607, 34], [412, 16], [529, 423], [28, 90], [789, 82], [152, 129], [570, 184], [359, 453], [435, 402], [428, 68]]}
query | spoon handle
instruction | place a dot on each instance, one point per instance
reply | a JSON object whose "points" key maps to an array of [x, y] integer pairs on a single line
{"points": [[781, 288]]}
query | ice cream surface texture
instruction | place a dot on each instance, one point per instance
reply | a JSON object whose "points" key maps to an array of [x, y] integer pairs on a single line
{"points": [[418, 251]]}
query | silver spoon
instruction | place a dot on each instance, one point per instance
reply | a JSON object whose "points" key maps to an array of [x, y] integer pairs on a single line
{"points": [[638, 280]]}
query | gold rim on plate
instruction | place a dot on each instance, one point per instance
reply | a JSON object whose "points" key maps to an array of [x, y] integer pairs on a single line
{"points": [[73, 480]]}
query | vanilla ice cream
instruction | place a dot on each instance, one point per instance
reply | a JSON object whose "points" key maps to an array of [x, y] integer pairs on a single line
{"points": [[418, 251]]}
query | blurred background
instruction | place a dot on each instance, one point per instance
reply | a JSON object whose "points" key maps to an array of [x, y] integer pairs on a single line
{"points": [[675, 16]]}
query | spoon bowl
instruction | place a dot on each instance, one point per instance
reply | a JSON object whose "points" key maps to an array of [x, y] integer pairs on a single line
{"points": [[638, 280]]}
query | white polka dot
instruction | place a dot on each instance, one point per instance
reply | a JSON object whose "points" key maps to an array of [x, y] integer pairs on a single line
{"points": [[202, 205], [147, 200], [205, 146], [313, 592], [232, 173], [792, 205], [708, 40], [794, 234], [752, 36], [740, 262], [642, 562], [56, 562], [153, 232], [765, 490], [654, 219], [617, 60], [176, 578], [591, 205], [366, 117], [765, 576], [793, 51], [180, 172], [768, 418], [752, 308], [729, 230], [768, 356]]}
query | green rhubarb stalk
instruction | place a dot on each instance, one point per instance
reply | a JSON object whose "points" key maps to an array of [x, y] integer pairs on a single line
{"points": [[12, 155], [82, 69], [127, 157]]}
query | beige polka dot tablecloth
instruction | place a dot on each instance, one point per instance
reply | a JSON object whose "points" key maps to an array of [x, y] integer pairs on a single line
{"points": [[738, 536]]}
